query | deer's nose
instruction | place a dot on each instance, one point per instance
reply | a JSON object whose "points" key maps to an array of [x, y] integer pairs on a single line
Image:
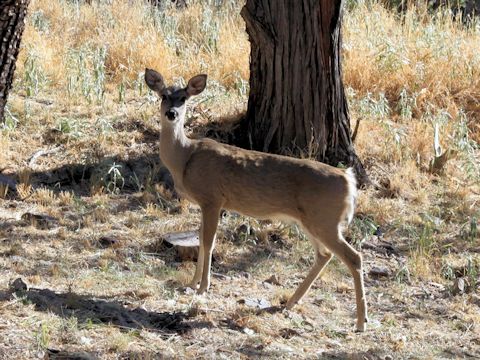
{"points": [[171, 114]]}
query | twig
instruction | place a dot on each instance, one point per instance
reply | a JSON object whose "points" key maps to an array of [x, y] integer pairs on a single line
{"points": [[42, 152], [355, 131]]}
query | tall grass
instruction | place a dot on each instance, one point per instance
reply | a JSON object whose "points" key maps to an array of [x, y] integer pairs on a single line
{"points": [[434, 60], [133, 35], [421, 63]]}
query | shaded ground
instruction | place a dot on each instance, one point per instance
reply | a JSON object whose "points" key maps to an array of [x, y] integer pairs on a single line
{"points": [[88, 298]]}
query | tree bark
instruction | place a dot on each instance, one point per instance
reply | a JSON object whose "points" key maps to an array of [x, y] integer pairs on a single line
{"points": [[12, 23], [297, 102]]}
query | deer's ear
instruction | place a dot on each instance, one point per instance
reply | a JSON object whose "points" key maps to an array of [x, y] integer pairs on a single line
{"points": [[196, 84], [154, 80]]}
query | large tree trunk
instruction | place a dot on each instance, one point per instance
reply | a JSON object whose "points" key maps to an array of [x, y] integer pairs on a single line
{"points": [[12, 23], [297, 101]]}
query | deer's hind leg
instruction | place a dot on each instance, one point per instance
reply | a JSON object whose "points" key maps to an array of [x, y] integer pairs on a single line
{"points": [[322, 258], [334, 241], [353, 260]]}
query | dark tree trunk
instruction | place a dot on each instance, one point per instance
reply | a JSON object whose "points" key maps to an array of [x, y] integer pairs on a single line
{"points": [[297, 101], [12, 23]]}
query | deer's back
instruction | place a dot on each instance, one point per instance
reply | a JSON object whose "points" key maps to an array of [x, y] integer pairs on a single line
{"points": [[260, 184]]}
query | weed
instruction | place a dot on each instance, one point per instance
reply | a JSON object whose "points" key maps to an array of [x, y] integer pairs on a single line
{"points": [[426, 241], [406, 104], [43, 336], [114, 181], [35, 78], [10, 122], [39, 21], [466, 147], [3, 190], [71, 127], [361, 229], [87, 73], [68, 329]]}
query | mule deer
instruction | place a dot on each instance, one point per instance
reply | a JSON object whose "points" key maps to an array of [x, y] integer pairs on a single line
{"points": [[217, 176]]}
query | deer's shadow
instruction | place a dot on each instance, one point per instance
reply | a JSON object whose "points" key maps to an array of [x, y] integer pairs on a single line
{"points": [[92, 310]]}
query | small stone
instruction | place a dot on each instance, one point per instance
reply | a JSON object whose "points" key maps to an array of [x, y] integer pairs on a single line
{"points": [[85, 340], [220, 276], [18, 285], [256, 303], [287, 333], [273, 280], [40, 221], [245, 275], [108, 241], [378, 231], [189, 291], [248, 331], [243, 229], [458, 286], [378, 271], [267, 286], [171, 302]]}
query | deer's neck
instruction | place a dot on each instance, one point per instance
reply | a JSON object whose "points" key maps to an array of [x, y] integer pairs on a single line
{"points": [[175, 149]]}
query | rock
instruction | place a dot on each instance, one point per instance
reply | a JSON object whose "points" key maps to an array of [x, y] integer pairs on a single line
{"points": [[458, 286], [108, 241], [40, 221], [8, 181], [378, 271], [273, 280], [220, 276], [268, 286], [248, 331], [189, 291], [186, 243], [245, 229], [287, 333], [378, 232], [61, 354], [183, 238], [256, 303], [245, 275], [85, 340]]}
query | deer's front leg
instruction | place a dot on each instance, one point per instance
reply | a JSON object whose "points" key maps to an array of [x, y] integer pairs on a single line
{"points": [[210, 215], [198, 270]]}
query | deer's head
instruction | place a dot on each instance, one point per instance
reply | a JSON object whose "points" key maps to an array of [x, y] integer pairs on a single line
{"points": [[173, 98]]}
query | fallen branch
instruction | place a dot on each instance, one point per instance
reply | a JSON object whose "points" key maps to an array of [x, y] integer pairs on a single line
{"points": [[355, 131], [42, 152]]}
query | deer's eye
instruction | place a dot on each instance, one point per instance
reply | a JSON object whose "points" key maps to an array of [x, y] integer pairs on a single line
{"points": [[164, 97], [183, 99]]}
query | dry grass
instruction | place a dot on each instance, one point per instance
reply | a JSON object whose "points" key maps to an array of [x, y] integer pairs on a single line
{"points": [[79, 90], [134, 36]]}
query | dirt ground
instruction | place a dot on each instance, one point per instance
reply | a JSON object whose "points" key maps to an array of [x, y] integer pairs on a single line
{"points": [[77, 286]]}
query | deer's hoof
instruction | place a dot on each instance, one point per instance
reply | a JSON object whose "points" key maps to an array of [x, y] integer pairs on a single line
{"points": [[361, 327], [202, 289], [290, 304]]}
